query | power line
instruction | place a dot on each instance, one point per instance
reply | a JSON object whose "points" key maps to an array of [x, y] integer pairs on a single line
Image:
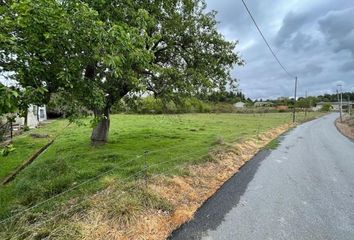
{"points": [[86, 198], [265, 40]]}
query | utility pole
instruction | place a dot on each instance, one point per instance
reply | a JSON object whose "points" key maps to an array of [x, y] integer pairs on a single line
{"points": [[294, 110], [340, 102], [306, 104], [349, 105]]}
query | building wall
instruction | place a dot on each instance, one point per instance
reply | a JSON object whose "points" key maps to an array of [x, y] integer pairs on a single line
{"points": [[32, 119], [239, 105], [284, 108]]}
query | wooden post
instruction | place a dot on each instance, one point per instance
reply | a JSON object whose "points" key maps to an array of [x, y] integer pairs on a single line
{"points": [[11, 129], [294, 110]]}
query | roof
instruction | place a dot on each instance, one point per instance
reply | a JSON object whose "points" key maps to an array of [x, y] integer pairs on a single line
{"points": [[335, 103], [239, 104], [263, 103]]}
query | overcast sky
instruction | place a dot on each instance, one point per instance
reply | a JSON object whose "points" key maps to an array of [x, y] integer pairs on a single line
{"points": [[313, 39]]}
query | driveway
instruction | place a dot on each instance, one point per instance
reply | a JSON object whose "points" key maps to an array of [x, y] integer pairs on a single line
{"points": [[302, 190]]}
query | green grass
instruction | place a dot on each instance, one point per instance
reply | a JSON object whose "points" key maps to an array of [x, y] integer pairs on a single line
{"points": [[26, 146], [272, 144], [171, 140]]}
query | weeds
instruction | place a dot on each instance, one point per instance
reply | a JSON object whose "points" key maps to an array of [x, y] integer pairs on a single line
{"points": [[128, 206], [7, 150], [71, 161], [272, 144]]}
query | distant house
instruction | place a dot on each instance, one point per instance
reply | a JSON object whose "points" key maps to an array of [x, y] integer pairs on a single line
{"points": [[335, 105], [239, 105], [35, 115], [317, 108], [282, 108], [263, 104]]}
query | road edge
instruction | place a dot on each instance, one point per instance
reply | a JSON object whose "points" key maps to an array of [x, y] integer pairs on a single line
{"points": [[340, 129], [256, 159]]}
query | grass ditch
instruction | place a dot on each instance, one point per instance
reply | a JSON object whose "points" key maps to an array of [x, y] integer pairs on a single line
{"points": [[272, 144]]}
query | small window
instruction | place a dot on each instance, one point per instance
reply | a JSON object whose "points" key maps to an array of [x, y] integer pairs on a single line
{"points": [[41, 113]]}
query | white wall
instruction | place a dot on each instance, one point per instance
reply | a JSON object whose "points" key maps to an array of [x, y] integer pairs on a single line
{"points": [[239, 105], [32, 119]]}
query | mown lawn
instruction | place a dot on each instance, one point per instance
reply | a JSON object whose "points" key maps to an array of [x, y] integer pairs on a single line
{"points": [[158, 141], [26, 146]]}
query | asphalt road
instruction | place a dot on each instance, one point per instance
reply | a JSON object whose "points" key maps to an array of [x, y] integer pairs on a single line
{"points": [[302, 190]]}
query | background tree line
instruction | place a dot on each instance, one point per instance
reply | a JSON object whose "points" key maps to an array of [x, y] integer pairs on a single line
{"points": [[310, 101]]}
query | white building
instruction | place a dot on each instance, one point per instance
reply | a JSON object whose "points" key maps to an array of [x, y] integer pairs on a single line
{"points": [[263, 104], [35, 115], [335, 105], [239, 105]]}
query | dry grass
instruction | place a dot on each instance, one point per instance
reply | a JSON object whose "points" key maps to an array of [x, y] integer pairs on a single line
{"points": [[154, 211], [346, 127]]}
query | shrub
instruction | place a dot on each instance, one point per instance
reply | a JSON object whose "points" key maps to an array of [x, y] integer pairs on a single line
{"points": [[7, 150], [150, 104], [194, 105], [170, 107], [119, 107], [326, 107], [223, 108]]}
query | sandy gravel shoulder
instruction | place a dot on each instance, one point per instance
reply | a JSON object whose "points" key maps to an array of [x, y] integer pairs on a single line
{"points": [[346, 127], [185, 193]]}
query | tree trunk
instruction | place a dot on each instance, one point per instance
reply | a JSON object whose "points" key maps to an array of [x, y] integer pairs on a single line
{"points": [[26, 120], [100, 132], [37, 109]]}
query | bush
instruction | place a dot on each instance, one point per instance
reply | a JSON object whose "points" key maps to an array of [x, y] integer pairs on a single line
{"points": [[119, 107], [170, 107], [148, 105], [194, 105], [223, 108], [7, 150], [326, 107]]}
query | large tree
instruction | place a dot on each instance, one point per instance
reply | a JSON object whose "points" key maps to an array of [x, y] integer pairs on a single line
{"points": [[96, 52], [189, 56], [8, 100]]}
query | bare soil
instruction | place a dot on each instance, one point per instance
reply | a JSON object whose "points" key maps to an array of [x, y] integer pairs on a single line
{"points": [[346, 127]]}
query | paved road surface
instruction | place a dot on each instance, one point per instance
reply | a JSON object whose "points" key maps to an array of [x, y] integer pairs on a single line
{"points": [[302, 190]]}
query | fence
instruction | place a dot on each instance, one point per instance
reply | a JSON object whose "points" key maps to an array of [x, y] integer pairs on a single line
{"points": [[6, 131], [143, 172]]}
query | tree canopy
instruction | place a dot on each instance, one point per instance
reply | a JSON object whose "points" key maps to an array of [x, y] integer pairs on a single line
{"points": [[96, 52], [8, 100]]}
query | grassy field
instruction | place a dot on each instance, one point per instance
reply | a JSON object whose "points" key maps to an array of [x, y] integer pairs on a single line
{"points": [[160, 142], [26, 146]]}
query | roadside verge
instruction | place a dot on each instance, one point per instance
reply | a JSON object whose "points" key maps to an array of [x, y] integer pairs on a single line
{"points": [[346, 127], [184, 193]]}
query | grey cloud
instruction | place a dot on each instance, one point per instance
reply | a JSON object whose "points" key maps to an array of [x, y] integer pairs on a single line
{"points": [[347, 67], [292, 28], [338, 29], [347, 42], [291, 23], [302, 41], [312, 70]]}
